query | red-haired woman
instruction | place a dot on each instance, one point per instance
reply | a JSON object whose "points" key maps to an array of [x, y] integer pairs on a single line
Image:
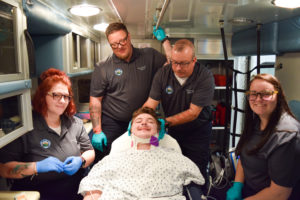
{"points": [[56, 149]]}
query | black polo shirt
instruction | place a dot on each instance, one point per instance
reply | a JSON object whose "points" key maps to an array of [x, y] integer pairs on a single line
{"points": [[278, 160], [198, 89], [125, 86], [43, 142]]}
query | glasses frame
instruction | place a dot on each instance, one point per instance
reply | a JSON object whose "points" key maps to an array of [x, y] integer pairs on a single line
{"points": [[181, 64], [58, 97], [122, 43], [261, 94]]}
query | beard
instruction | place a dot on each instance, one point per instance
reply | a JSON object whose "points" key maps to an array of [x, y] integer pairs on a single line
{"points": [[125, 54]]}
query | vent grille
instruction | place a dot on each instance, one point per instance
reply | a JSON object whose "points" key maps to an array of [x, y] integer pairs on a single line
{"points": [[180, 10]]}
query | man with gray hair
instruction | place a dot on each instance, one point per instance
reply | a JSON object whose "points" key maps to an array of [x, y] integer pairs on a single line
{"points": [[185, 90]]}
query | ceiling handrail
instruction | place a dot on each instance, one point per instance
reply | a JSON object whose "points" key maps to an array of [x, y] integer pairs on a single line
{"points": [[116, 11], [161, 14]]}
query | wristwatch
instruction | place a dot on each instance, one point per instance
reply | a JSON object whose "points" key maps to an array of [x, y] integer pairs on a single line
{"points": [[166, 38], [167, 124], [83, 162]]}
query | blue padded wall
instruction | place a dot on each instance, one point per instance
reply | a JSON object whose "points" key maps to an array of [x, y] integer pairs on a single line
{"points": [[48, 52], [295, 108], [289, 35], [245, 42], [276, 37], [42, 20], [12, 86]]}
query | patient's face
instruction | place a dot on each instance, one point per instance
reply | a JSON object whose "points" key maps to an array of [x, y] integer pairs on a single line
{"points": [[144, 126]]}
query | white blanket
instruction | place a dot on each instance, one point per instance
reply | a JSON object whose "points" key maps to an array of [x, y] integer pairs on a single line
{"points": [[142, 174]]}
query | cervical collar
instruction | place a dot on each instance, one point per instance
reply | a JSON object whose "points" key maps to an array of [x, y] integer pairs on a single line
{"points": [[153, 140]]}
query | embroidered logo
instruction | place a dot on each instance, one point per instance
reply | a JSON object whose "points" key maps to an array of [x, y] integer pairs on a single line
{"points": [[188, 91], [45, 143], [118, 72], [169, 90], [142, 68]]}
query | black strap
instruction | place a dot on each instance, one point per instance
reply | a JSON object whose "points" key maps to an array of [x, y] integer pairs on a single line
{"points": [[31, 53]]}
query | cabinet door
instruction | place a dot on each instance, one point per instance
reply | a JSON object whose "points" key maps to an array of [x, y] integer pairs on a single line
{"points": [[15, 115], [82, 53], [15, 102], [12, 42]]}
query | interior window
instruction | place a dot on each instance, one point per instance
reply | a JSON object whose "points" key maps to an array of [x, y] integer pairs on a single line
{"points": [[97, 52], [83, 53], [7, 39], [93, 57], [10, 115], [74, 50], [84, 90]]}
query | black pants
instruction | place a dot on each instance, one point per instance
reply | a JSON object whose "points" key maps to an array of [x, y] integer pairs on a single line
{"points": [[195, 145], [62, 189], [112, 129]]}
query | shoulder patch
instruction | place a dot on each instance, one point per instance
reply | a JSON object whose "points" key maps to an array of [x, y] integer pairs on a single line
{"points": [[118, 72], [169, 89], [45, 143]]}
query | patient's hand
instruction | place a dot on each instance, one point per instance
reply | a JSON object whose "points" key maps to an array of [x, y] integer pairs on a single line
{"points": [[92, 195]]}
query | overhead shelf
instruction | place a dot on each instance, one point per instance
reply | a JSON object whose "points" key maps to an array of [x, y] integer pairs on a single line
{"points": [[218, 127], [220, 88]]}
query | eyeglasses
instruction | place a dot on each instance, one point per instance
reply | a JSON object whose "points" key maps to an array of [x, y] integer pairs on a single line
{"points": [[181, 64], [265, 95], [57, 97], [121, 42]]}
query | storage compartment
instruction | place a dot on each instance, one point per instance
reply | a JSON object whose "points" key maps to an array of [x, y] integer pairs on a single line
{"points": [[220, 80], [222, 98]]}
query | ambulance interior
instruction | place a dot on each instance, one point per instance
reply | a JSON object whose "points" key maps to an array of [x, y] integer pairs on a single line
{"points": [[235, 39]]}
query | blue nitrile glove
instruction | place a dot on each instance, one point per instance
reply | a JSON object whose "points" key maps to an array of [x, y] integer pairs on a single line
{"points": [[72, 164], [98, 139], [129, 127], [49, 164], [159, 33], [162, 129], [235, 192]]}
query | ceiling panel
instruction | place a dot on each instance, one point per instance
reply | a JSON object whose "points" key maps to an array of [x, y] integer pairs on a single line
{"points": [[182, 17]]}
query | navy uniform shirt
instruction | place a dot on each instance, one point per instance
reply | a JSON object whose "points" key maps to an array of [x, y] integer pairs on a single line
{"points": [[43, 142], [175, 98], [125, 86], [278, 160]]}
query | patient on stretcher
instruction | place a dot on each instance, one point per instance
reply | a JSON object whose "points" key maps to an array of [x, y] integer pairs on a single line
{"points": [[146, 170]]}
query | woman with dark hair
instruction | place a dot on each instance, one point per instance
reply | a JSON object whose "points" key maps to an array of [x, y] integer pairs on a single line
{"points": [[56, 149], [269, 147]]}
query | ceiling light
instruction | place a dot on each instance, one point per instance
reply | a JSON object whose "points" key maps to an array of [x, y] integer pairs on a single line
{"points": [[287, 3], [85, 10], [101, 27]]}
